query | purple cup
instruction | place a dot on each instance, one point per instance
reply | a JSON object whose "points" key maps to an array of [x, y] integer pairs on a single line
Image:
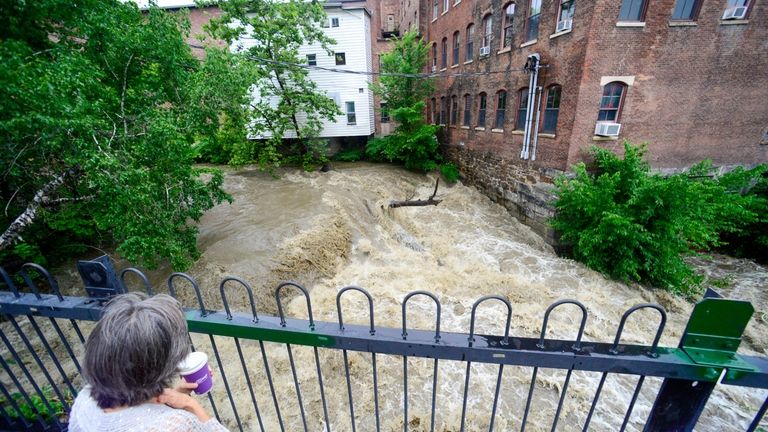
{"points": [[194, 369]]}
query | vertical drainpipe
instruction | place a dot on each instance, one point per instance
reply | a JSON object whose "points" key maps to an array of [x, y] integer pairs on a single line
{"points": [[533, 62], [536, 126]]}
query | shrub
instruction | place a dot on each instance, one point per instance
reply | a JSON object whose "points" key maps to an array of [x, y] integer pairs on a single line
{"points": [[450, 172], [632, 225], [352, 155]]}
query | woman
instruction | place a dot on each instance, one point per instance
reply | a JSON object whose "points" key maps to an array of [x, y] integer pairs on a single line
{"points": [[131, 359]]}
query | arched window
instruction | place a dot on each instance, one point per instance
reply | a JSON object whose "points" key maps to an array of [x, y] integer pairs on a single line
{"points": [[501, 109], [444, 49], [470, 41], [552, 110], [506, 37], [434, 56], [454, 110], [611, 102], [482, 105], [434, 111], [522, 108], [456, 44], [487, 33], [467, 108], [443, 110]]}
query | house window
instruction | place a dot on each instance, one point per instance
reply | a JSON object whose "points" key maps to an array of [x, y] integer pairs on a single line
{"points": [[632, 10], [384, 113], [325, 24], [610, 103], [435, 11], [467, 107], [445, 5], [454, 110], [567, 8], [552, 109], [434, 56], [444, 49], [456, 43], [685, 10], [434, 111], [470, 41], [443, 110], [522, 109], [334, 22], [737, 9], [341, 58], [501, 109], [481, 110], [533, 20], [351, 118], [487, 32], [312, 59], [506, 37]]}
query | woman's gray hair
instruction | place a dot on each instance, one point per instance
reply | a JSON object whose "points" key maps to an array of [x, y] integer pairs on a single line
{"points": [[133, 352]]}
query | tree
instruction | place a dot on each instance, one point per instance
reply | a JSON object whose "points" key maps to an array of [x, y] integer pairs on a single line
{"points": [[403, 89], [99, 107], [288, 102]]}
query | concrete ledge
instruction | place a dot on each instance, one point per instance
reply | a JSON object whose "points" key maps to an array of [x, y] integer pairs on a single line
{"points": [[454, 66], [683, 24], [552, 36], [464, 127], [468, 62], [497, 130], [518, 132], [604, 138], [529, 43], [547, 135], [630, 24], [504, 50], [734, 22], [479, 128]]}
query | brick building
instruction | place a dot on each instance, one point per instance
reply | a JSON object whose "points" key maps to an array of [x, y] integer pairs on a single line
{"points": [[689, 77]]}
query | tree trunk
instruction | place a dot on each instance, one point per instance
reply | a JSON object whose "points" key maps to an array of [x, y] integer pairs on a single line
{"points": [[417, 203]]}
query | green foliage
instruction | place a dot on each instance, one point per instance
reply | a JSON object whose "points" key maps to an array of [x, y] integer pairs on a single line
{"points": [[633, 225], [114, 96], [751, 240], [291, 104], [29, 412], [413, 142], [450, 172], [352, 155]]}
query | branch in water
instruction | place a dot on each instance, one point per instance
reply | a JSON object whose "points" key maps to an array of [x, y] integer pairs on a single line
{"points": [[417, 203]]}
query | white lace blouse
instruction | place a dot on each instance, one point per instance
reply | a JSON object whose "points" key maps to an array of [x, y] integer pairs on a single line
{"points": [[86, 416]]}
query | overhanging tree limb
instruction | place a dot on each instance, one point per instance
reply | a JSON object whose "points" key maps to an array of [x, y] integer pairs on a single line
{"points": [[41, 199]]}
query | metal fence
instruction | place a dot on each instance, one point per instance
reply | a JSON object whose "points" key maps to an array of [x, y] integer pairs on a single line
{"points": [[42, 341]]}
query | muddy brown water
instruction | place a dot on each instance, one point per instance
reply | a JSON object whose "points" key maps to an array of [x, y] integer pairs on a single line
{"points": [[329, 230]]}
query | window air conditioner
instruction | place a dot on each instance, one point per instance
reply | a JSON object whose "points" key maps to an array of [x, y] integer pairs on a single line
{"points": [[737, 12], [607, 129], [486, 50], [434, 68], [564, 25]]}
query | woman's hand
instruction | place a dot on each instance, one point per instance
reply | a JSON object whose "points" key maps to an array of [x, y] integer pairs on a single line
{"points": [[180, 400]]}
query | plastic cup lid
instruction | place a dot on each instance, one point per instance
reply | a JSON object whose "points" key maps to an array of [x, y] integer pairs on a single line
{"points": [[193, 362]]}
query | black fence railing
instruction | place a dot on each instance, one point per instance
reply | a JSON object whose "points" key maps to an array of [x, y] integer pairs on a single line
{"points": [[274, 372]]}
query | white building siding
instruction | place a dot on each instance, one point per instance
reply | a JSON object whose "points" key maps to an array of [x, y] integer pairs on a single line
{"points": [[352, 38]]}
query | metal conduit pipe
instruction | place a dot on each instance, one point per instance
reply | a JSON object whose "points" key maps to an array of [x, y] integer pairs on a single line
{"points": [[539, 92], [533, 67]]}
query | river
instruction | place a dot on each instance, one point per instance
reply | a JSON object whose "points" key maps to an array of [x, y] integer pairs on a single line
{"points": [[329, 230]]}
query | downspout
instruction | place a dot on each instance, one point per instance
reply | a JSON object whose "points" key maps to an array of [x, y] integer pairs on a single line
{"points": [[536, 126], [533, 67]]}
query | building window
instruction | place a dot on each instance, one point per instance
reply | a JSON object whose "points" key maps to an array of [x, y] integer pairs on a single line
{"points": [[533, 20], [501, 108], [341, 58], [444, 49], [434, 111], [312, 59], [435, 11], [632, 10], [445, 5], [456, 44], [443, 110], [454, 110], [686, 10], [506, 37], [737, 9], [351, 118], [567, 8], [467, 107], [481, 110], [552, 109], [334, 22], [610, 103], [470, 41], [434, 56], [487, 33], [384, 113], [325, 24], [522, 109]]}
